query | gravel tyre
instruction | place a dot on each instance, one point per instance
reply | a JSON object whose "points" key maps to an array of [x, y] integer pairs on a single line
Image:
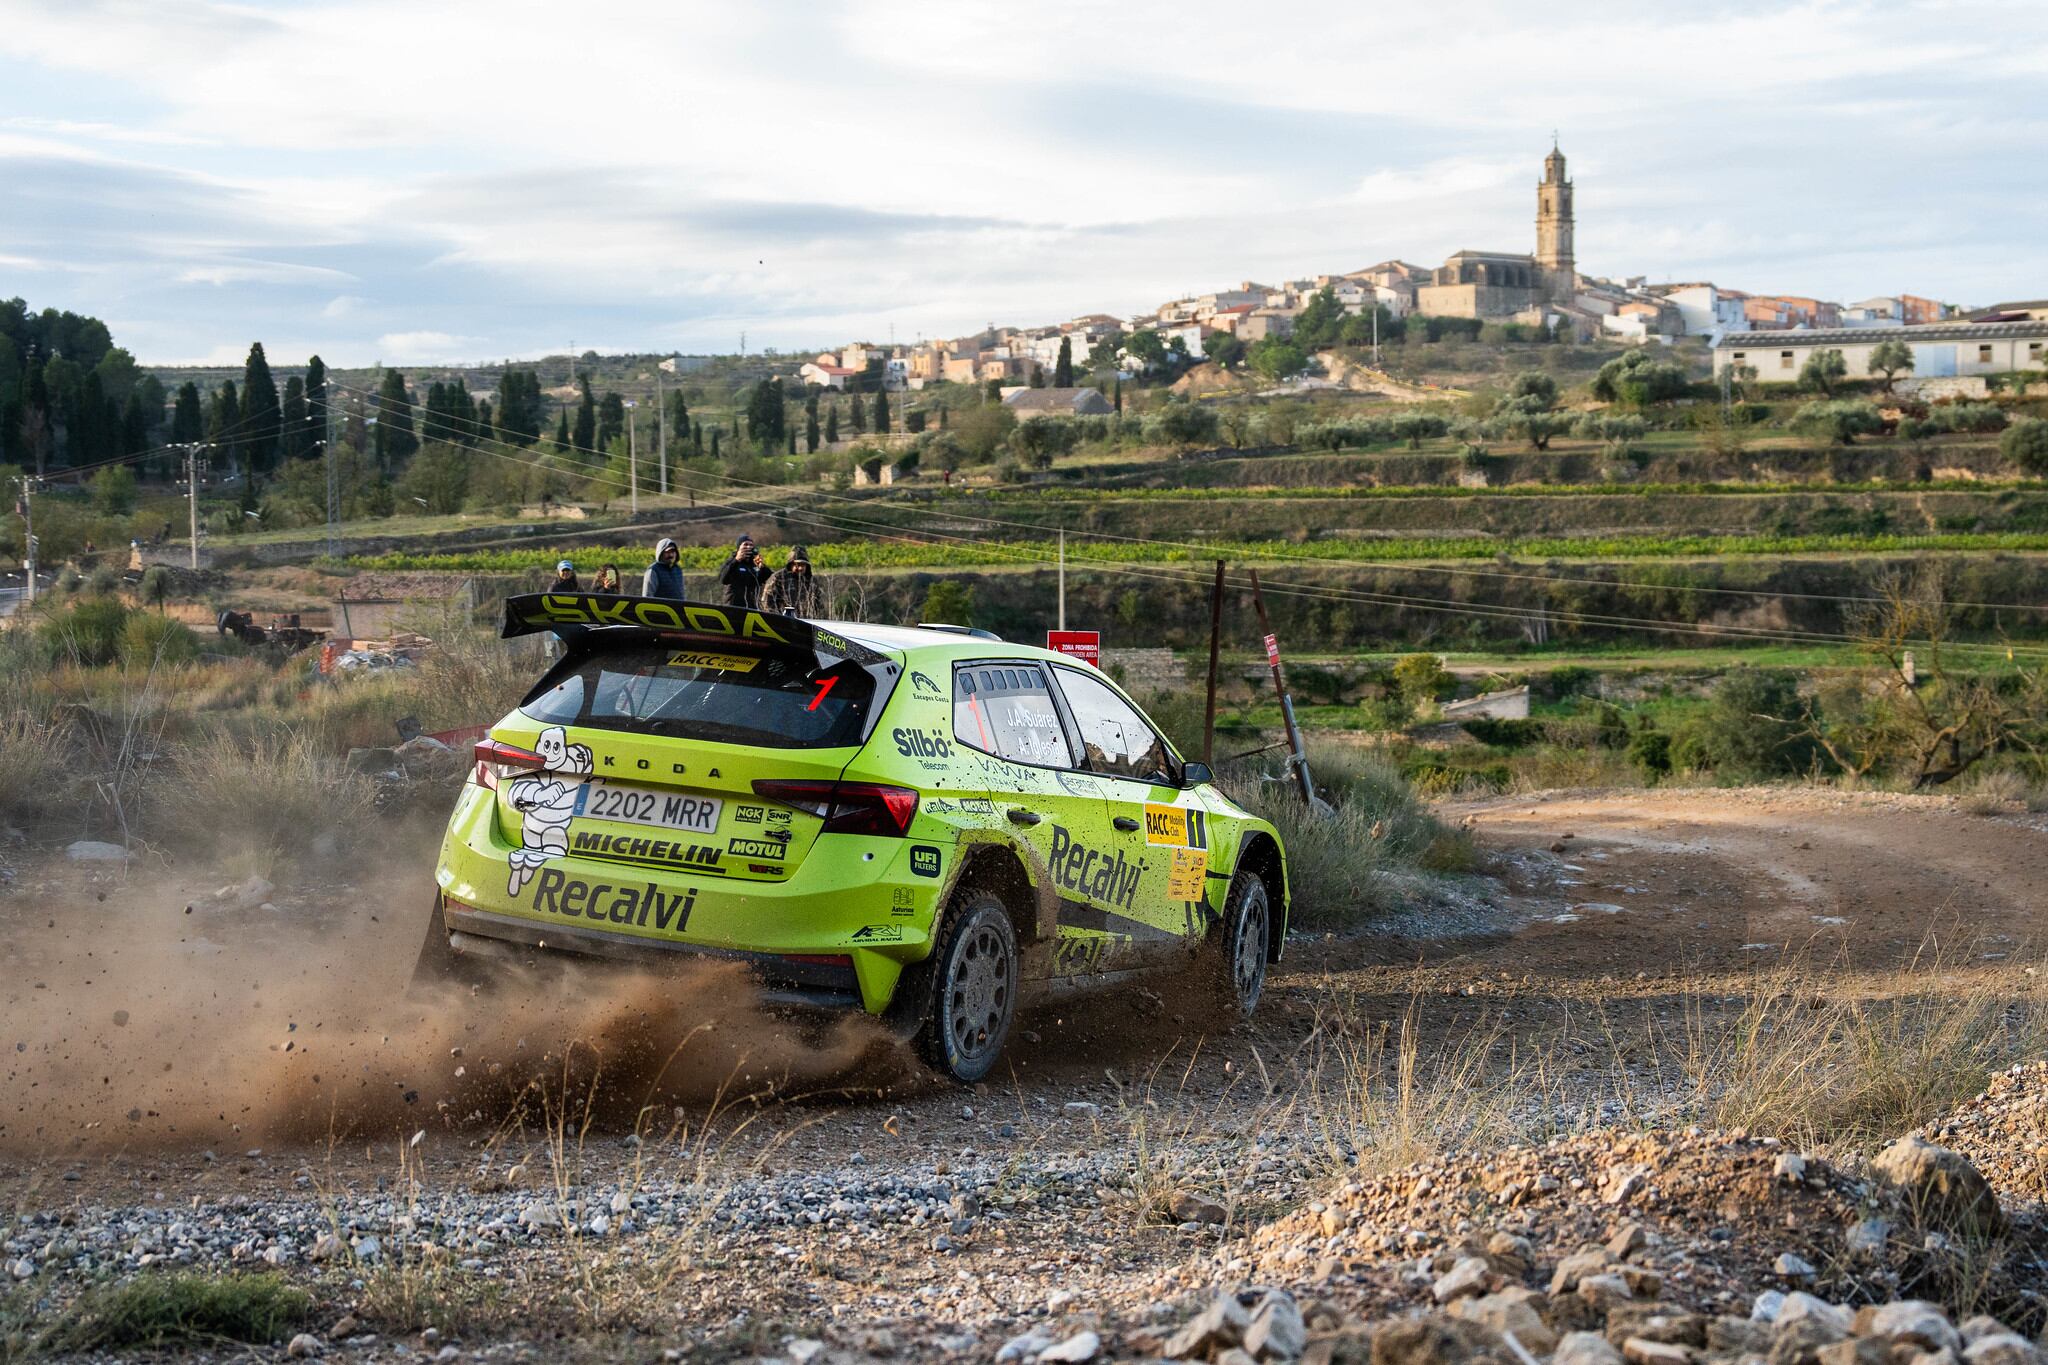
{"points": [[1237, 956], [964, 996]]}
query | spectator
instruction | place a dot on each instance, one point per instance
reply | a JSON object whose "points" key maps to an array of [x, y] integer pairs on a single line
{"points": [[743, 575], [565, 577], [607, 580], [664, 577], [793, 590]]}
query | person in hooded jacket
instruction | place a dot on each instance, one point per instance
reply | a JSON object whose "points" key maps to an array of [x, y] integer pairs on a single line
{"points": [[744, 574], [794, 589], [664, 577]]}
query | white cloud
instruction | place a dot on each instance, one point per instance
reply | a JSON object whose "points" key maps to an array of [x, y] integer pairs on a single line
{"points": [[426, 348]]}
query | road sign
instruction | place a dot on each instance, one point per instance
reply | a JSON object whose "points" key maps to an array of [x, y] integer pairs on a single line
{"points": [[1085, 645]]}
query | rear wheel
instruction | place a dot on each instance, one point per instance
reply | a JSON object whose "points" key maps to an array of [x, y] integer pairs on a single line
{"points": [[965, 993], [1238, 956]]}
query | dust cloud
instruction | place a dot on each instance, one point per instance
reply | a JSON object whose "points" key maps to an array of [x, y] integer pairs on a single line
{"points": [[133, 1017]]}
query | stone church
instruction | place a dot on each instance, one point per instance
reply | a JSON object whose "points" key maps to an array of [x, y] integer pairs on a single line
{"points": [[1498, 284]]}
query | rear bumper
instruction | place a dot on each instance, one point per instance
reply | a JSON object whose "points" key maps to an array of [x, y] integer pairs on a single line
{"points": [[855, 898], [504, 941]]}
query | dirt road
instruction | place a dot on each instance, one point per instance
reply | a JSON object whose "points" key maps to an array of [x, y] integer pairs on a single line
{"points": [[758, 1190]]}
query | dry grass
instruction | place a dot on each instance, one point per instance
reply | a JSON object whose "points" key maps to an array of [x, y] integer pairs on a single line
{"points": [[270, 793]]}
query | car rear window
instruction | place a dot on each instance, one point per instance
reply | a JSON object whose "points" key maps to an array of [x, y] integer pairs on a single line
{"points": [[724, 696]]}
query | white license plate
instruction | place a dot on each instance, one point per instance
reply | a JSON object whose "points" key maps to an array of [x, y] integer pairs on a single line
{"points": [[598, 799]]}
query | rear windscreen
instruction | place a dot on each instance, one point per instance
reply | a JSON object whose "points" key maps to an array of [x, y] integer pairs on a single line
{"points": [[723, 696]]}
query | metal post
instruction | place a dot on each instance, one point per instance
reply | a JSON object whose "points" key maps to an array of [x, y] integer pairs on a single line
{"points": [[632, 461], [661, 431], [1215, 644], [192, 498], [1063, 579], [28, 535], [1300, 755]]}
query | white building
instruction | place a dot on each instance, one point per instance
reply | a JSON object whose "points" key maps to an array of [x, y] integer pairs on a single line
{"points": [[1940, 349], [1705, 310]]}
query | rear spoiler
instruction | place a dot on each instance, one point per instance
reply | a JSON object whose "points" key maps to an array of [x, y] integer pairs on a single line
{"points": [[571, 614]]}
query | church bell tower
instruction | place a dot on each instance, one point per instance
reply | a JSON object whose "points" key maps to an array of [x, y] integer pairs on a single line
{"points": [[1554, 227]]}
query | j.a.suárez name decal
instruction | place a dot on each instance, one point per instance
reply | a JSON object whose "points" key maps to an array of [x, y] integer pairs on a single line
{"points": [[644, 906]]}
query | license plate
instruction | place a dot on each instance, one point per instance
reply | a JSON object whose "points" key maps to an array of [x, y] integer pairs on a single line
{"points": [[598, 799]]}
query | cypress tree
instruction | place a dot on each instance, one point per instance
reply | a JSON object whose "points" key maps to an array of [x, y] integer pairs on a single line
{"points": [[716, 432], [942, 417], [611, 420], [832, 425], [586, 417], [857, 415], [292, 443], [562, 431], [395, 441], [881, 412], [316, 405], [811, 425], [259, 412], [188, 418], [1119, 395], [1063, 370]]}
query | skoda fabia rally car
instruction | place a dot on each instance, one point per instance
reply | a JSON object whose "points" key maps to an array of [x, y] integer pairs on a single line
{"points": [[926, 824]]}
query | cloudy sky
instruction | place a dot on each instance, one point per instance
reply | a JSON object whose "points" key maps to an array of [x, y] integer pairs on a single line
{"points": [[456, 180]]}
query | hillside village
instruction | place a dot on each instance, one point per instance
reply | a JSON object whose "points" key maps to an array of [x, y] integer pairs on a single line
{"points": [[1530, 293]]}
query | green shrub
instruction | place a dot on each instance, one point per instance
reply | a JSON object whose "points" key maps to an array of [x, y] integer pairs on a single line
{"points": [[87, 633], [148, 639], [1569, 681], [1504, 734], [1423, 677], [153, 1310], [1750, 729], [1967, 417], [2025, 443], [1840, 421], [1650, 752]]}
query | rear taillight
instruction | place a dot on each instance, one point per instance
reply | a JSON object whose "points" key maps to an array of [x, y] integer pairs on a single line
{"points": [[496, 760], [848, 807]]}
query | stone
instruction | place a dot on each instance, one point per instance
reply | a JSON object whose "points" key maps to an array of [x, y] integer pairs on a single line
{"points": [[1915, 1321], [1510, 1255], [1584, 1348], [304, 1344], [1059, 1300], [1643, 1351], [1078, 1347], [1604, 1291], [1277, 1331], [1189, 1207], [1627, 1239], [1942, 1188], [1025, 1346], [1729, 1335], [1467, 1277], [1768, 1305], [1643, 1282], [803, 1350], [1793, 1266], [1435, 1340], [325, 1248], [1082, 1109], [1575, 1267], [1868, 1237], [1513, 1310], [95, 851], [1799, 1307], [344, 1328], [1219, 1326], [1854, 1351], [1789, 1167], [1983, 1325], [2004, 1348]]}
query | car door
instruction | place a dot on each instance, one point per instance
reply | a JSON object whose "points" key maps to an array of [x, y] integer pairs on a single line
{"points": [[1159, 827], [1006, 721]]}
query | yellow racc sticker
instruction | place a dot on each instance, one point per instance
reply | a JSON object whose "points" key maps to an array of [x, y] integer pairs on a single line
{"points": [[1166, 825], [728, 663]]}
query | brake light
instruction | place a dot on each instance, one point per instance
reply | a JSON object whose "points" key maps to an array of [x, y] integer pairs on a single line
{"points": [[848, 807], [496, 760]]}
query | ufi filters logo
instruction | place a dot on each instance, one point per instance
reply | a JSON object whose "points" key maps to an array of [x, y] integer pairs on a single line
{"points": [[1092, 873], [642, 907], [922, 743]]}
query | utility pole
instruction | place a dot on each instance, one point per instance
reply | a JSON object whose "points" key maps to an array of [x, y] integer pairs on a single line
{"points": [[333, 483], [28, 533], [632, 460], [661, 431], [1063, 578], [192, 498], [1298, 756], [1215, 644]]}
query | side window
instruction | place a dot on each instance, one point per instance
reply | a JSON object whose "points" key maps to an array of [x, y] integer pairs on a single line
{"points": [[1114, 737], [1007, 710]]}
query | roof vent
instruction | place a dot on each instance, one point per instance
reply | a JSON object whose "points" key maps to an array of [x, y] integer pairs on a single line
{"points": [[961, 630]]}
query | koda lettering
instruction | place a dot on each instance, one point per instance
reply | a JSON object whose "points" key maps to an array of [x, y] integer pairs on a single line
{"points": [[922, 743], [558, 893], [1092, 873]]}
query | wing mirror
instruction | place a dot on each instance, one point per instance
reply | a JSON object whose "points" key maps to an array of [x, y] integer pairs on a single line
{"points": [[1195, 774]]}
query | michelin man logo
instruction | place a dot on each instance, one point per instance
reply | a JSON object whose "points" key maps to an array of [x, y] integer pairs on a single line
{"points": [[546, 802]]}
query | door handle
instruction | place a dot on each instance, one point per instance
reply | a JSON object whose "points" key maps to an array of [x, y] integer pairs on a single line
{"points": [[1124, 822], [1020, 816]]}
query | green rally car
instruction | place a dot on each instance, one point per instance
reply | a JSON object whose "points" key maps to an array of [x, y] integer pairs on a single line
{"points": [[927, 824]]}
